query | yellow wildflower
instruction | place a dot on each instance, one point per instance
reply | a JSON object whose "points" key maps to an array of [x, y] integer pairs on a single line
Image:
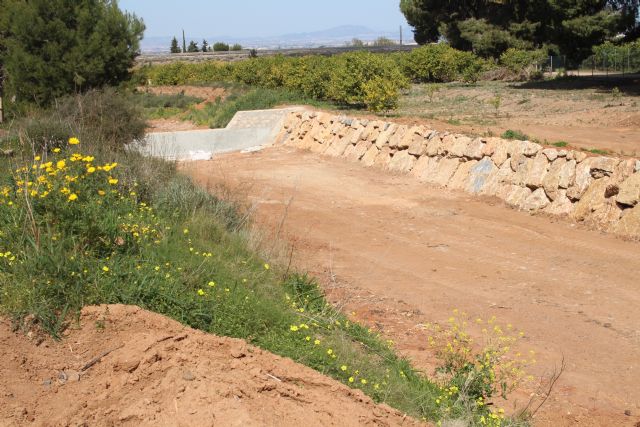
{"points": [[73, 197], [74, 141]]}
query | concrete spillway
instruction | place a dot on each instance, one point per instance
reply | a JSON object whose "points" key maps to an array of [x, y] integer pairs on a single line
{"points": [[247, 130]]}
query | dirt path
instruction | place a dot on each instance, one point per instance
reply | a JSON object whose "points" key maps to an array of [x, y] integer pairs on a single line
{"points": [[401, 253], [160, 373]]}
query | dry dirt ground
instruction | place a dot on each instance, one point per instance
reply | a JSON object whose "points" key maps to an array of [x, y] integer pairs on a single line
{"points": [[160, 373], [397, 254], [587, 112]]}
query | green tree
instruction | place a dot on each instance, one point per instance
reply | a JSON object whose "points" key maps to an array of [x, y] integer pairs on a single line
{"points": [[220, 47], [193, 47], [490, 27], [55, 47], [236, 47], [205, 46], [174, 46]]}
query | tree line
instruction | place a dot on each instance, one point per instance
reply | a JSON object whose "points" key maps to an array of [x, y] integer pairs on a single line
{"points": [[193, 47], [490, 27]]}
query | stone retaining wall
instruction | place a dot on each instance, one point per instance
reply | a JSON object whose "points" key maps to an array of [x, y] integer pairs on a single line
{"points": [[601, 191]]}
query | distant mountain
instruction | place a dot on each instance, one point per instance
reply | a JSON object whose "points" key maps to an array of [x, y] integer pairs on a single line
{"points": [[337, 36]]}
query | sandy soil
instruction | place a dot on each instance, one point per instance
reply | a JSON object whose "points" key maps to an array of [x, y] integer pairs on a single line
{"points": [[397, 254], [583, 112], [209, 94], [160, 373]]}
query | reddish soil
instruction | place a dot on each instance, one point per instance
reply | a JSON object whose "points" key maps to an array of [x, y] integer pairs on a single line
{"points": [[397, 254], [209, 94], [159, 373], [171, 125]]}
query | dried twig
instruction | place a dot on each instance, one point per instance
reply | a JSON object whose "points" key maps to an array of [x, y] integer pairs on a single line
{"points": [[99, 358]]}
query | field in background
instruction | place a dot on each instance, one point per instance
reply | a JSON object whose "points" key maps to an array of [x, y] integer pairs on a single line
{"points": [[588, 113]]}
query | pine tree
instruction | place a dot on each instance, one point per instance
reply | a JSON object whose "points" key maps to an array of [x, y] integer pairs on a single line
{"points": [[174, 46], [51, 48], [193, 47], [205, 46]]}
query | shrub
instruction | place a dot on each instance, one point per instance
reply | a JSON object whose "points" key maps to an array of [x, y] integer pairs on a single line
{"points": [[441, 63], [353, 72], [522, 62], [107, 117], [220, 47], [236, 47], [515, 134]]}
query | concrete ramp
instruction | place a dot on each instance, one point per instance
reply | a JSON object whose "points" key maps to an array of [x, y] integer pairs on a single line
{"points": [[247, 130]]}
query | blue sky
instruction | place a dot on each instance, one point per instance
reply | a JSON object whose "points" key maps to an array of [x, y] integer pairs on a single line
{"points": [[255, 18]]}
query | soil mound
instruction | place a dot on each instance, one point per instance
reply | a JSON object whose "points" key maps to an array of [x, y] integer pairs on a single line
{"points": [[128, 367]]}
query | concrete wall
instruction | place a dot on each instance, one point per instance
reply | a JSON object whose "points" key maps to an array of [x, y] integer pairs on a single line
{"points": [[601, 191]]}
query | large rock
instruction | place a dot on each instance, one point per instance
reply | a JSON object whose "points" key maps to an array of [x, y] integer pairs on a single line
{"points": [[629, 193], [385, 135], [561, 205], [433, 146], [355, 152], [338, 146], [551, 181], [397, 136], [595, 206], [520, 165], [474, 149], [497, 180], [383, 158], [479, 174], [516, 195], [550, 153], [445, 170], [458, 147], [538, 169], [461, 177], [500, 150], [536, 201], [425, 168], [629, 224], [369, 157], [411, 135], [567, 174], [355, 135], [418, 146], [402, 161]]}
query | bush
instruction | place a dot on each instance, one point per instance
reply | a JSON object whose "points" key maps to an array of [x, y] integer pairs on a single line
{"points": [[352, 75], [236, 47], [522, 62], [515, 134], [441, 63], [220, 47]]}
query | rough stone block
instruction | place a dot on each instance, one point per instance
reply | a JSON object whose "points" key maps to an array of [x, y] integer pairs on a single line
{"points": [[629, 224], [386, 135], [402, 161], [395, 139], [629, 194], [474, 149], [369, 157], [479, 174], [461, 177], [445, 170], [383, 158], [536, 201], [338, 146], [561, 205], [536, 172]]}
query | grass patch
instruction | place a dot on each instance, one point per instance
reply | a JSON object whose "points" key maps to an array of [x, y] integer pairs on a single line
{"points": [[560, 144], [598, 151], [164, 106], [218, 114], [515, 134]]}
